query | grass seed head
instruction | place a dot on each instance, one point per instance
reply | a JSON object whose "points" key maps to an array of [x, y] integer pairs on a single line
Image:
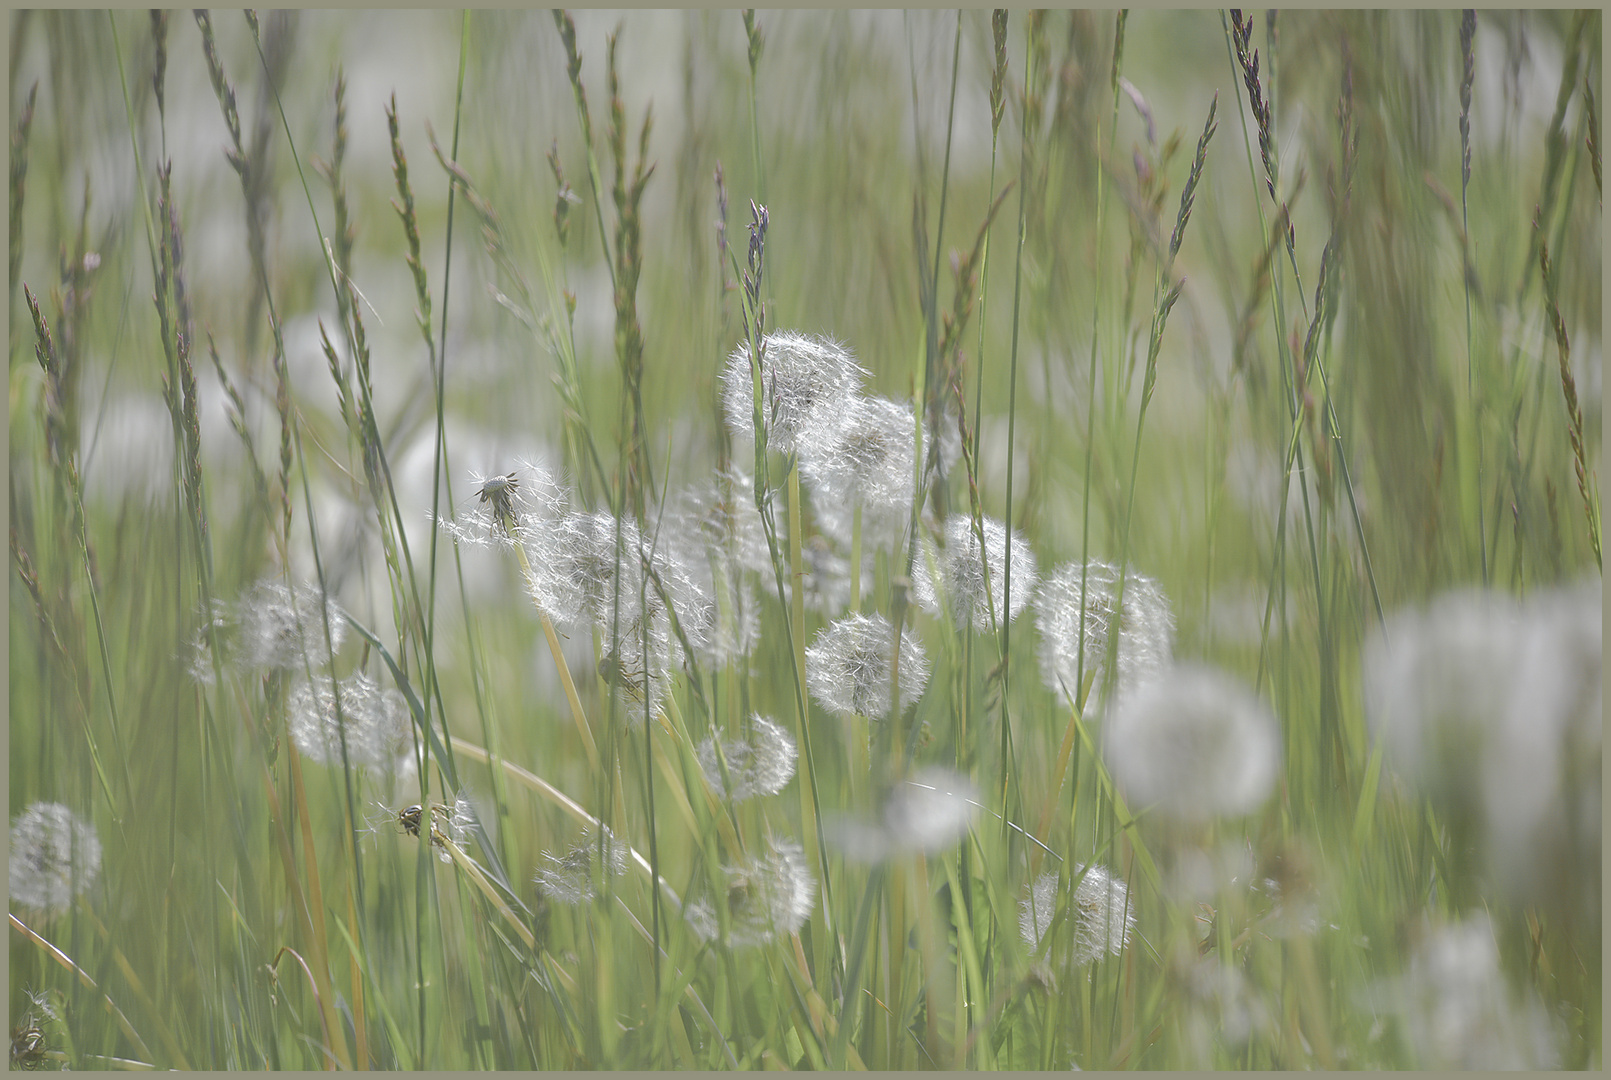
{"points": [[761, 762], [806, 382], [378, 729], [1194, 746], [767, 897], [962, 574], [848, 667], [1146, 629], [54, 857]]}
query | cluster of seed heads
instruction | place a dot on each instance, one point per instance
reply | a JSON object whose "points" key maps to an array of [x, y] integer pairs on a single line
{"points": [[766, 897], [54, 857]]}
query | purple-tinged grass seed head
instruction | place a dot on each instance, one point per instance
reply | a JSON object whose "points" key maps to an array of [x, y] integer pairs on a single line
{"points": [[760, 762], [1145, 629], [54, 857], [805, 382], [962, 574], [848, 667], [1194, 746]]}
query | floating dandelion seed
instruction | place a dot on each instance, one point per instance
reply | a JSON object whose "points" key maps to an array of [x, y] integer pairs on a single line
{"points": [[962, 573], [1145, 629], [1194, 746], [1101, 918], [568, 878], [926, 813], [767, 897], [761, 762], [864, 461], [285, 629], [54, 857], [375, 720], [848, 667], [805, 381]]}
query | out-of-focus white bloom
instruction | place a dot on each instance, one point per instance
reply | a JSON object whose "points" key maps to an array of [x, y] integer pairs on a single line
{"points": [[1458, 1012], [848, 667], [760, 762], [926, 813], [1101, 917], [284, 629], [1145, 629], [864, 461], [1222, 1006], [1194, 745], [54, 857], [375, 722], [1492, 706], [805, 382], [568, 878], [962, 574], [767, 897]]}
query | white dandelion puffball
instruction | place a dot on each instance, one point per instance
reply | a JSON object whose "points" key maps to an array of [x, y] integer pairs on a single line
{"points": [[54, 857], [1459, 1012], [1491, 706], [520, 506], [848, 667], [373, 720], [1145, 629], [568, 878], [926, 813], [760, 762], [767, 897], [1101, 919], [805, 381], [962, 573], [865, 461], [284, 629], [1194, 745]]}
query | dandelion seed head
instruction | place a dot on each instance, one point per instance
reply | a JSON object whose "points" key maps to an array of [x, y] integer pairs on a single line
{"points": [[1145, 629], [568, 878], [760, 762], [767, 897], [1194, 745], [804, 382], [864, 461], [519, 506], [962, 572], [927, 813], [1101, 919], [848, 667], [379, 733], [283, 629], [54, 857]]}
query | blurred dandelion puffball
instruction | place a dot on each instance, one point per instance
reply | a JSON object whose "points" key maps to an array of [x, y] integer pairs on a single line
{"points": [[1492, 706], [767, 897], [1194, 745], [863, 461], [1101, 919], [805, 382], [284, 629], [1459, 1012], [925, 814], [962, 573], [54, 857], [760, 762], [372, 720], [568, 878], [848, 667], [1145, 629]]}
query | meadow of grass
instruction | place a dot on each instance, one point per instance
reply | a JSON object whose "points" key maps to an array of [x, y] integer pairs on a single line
{"points": [[462, 474]]}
